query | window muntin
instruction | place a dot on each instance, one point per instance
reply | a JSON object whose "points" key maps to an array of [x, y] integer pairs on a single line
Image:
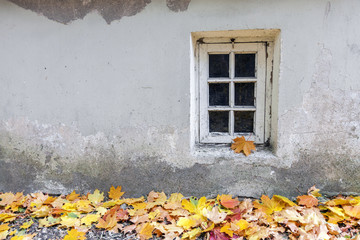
{"points": [[232, 91]]}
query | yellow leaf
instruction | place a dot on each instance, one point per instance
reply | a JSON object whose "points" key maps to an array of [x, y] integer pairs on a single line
{"points": [[194, 206], [69, 207], [89, 219], [209, 228], [189, 222], [242, 224], [226, 229], [154, 214], [74, 234], [146, 231], [4, 227], [72, 196], [84, 206], [42, 212], [174, 201], [101, 210], [7, 217], [115, 193], [269, 206], [96, 197], [69, 222], [285, 200], [338, 201], [7, 198], [109, 223], [241, 145], [192, 234], [27, 224]]}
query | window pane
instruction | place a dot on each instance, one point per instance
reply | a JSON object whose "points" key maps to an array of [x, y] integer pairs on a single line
{"points": [[244, 94], [244, 65], [219, 94], [218, 65], [219, 121], [244, 121]]}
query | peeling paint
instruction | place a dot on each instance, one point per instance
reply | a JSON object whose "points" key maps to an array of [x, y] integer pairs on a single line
{"points": [[178, 5], [66, 11]]}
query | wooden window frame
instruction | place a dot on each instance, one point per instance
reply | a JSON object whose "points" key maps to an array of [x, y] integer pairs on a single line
{"points": [[262, 106]]}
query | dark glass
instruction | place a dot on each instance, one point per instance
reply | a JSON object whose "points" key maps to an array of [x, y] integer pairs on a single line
{"points": [[218, 65], [244, 65], [244, 122], [219, 121], [218, 94], [244, 94]]}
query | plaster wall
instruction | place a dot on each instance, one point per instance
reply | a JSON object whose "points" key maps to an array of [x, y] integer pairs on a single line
{"points": [[88, 104]]}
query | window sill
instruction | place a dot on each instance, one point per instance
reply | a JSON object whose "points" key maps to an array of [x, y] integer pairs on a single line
{"points": [[213, 153]]}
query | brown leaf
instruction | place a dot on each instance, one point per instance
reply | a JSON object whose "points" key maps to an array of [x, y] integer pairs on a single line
{"points": [[241, 145], [307, 200]]}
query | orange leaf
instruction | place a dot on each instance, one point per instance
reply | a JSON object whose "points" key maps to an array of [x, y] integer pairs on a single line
{"points": [[352, 211], [115, 193], [72, 196], [227, 201], [146, 231], [307, 200], [240, 144]]}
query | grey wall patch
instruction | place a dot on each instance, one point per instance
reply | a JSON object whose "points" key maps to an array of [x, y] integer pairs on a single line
{"points": [[178, 5], [66, 11]]}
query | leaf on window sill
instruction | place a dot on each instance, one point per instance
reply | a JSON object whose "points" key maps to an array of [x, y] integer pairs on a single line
{"points": [[241, 145]]}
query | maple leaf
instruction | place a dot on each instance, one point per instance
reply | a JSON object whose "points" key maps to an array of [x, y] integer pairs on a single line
{"points": [[109, 222], [192, 234], [285, 200], [96, 197], [226, 229], [7, 198], [146, 231], [72, 196], [174, 201], [69, 222], [268, 205], [227, 201], [314, 191], [189, 222], [27, 224], [7, 217], [352, 211], [217, 235], [214, 215], [74, 234], [115, 193], [241, 145], [194, 206], [307, 200], [89, 219]]}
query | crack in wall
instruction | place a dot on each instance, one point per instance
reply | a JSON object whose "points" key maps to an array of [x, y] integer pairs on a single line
{"points": [[66, 11]]}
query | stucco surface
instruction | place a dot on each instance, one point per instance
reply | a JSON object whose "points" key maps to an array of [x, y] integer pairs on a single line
{"points": [[88, 104]]}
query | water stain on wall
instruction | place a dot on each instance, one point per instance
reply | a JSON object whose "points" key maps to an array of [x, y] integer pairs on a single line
{"points": [[66, 11]]}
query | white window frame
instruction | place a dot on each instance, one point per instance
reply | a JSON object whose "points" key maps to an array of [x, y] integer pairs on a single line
{"points": [[204, 49]]}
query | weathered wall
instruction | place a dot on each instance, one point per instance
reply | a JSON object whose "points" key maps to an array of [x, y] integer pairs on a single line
{"points": [[90, 104]]}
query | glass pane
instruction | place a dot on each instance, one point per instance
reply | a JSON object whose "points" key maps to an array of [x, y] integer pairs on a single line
{"points": [[244, 122], [219, 121], [244, 65], [218, 65], [244, 94], [219, 94]]}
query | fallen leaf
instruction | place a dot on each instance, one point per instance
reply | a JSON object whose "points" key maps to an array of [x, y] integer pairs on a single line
{"points": [[307, 200], [146, 231], [268, 205], [115, 193], [74, 234], [89, 219], [241, 145], [96, 197], [27, 224], [227, 201]]}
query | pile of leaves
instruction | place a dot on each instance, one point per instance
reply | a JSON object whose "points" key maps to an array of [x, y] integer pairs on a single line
{"points": [[175, 217]]}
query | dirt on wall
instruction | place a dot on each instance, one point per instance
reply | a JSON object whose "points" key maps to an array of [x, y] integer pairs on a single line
{"points": [[65, 11]]}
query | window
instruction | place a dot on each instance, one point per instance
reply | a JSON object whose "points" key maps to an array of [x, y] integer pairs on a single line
{"points": [[232, 91]]}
